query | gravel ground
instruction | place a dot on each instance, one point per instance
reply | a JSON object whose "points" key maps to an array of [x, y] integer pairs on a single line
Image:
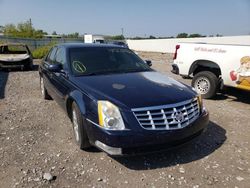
{"points": [[37, 148]]}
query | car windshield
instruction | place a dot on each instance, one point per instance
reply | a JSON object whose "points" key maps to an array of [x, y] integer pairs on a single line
{"points": [[102, 60], [13, 49]]}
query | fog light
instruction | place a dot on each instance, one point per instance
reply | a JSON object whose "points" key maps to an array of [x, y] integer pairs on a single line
{"points": [[110, 150]]}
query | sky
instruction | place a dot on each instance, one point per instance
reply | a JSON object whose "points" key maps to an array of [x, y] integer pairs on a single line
{"points": [[160, 18]]}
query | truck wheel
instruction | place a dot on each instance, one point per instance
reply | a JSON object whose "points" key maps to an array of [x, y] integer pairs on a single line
{"points": [[206, 84], [79, 129], [44, 91]]}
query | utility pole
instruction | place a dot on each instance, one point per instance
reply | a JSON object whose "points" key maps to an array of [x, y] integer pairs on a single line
{"points": [[122, 31], [30, 29], [30, 22]]}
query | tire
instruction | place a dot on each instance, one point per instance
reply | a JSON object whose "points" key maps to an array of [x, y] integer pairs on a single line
{"points": [[44, 91], [205, 83], [79, 129]]}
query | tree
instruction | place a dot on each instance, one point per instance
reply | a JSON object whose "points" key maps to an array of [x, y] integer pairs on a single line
{"points": [[23, 29], [152, 37], [74, 35], [218, 35], [115, 37], [71, 35], [1, 28], [40, 33], [195, 35], [137, 38], [10, 29], [54, 33], [182, 35]]}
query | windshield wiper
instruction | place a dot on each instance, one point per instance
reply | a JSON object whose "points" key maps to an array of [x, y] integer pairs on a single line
{"points": [[98, 73], [114, 72], [135, 70]]}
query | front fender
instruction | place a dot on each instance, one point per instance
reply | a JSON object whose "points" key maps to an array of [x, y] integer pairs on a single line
{"points": [[78, 98], [86, 104]]}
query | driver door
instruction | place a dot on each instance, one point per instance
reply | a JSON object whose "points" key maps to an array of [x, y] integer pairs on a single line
{"points": [[60, 79]]}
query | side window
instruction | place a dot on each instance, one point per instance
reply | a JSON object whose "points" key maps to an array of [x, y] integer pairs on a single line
{"points": [[60, 56], [47, 57], [51, 56]]}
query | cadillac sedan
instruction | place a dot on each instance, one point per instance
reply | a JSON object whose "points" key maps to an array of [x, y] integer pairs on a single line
{"points": [[117, 103]]}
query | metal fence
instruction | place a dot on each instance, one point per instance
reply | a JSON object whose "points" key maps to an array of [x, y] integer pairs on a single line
{"points": [[36, 43]]}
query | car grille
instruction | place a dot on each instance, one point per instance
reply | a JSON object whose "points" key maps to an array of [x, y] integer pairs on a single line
{"points": [[168, 117]]}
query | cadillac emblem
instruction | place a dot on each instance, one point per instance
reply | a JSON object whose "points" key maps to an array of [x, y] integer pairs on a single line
{"points": [[178, 116]]}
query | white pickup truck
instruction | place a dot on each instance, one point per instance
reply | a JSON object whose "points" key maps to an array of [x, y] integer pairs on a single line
{"points": [[211, 66]]}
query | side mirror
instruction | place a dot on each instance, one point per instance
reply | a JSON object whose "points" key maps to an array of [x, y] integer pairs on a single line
{"points": [[55, 67], [149, 63]]}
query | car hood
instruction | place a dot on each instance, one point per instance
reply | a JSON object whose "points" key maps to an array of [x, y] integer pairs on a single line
{"points": [[135, 90], [13, 57]]}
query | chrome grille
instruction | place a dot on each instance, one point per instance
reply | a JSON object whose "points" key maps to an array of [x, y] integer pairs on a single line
{"points": [[168, 117]]}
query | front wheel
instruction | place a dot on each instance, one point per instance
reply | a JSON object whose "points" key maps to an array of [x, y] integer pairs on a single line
{"points": [[206, 84], [80, 133], [44, 91]]}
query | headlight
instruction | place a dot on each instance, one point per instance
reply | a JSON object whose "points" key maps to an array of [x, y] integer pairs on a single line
{"points": [[110, 116]]}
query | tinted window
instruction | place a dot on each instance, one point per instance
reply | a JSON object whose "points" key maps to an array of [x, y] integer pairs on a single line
{"points": [[47, 57], [51, 56], [60, 56], [105, 60]]}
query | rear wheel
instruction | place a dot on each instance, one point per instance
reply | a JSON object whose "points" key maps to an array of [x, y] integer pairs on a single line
{"points": [[44, 92], [79, 129], [206, 84]]}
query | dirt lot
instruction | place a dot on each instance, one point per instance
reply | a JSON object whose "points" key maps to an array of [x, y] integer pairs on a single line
{"points": [[36, 138]]}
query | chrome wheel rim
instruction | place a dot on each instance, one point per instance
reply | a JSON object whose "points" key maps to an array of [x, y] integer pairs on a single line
{"points": [[75, 125], [42, 87], [202, 85]]}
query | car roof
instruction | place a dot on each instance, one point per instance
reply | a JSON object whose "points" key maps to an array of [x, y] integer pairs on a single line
{"points": [[86, 45]]}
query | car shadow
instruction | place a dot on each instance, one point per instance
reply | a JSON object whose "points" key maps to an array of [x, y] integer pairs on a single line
{"points": [[234, 94], [197, 149], [35, 68], [3, 80], [4, 73]]}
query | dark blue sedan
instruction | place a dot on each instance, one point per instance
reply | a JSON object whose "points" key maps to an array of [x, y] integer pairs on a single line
{"points": [[116, 102]]}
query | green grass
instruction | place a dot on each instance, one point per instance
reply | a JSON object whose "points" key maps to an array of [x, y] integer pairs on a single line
{"points": [[39, 53]]}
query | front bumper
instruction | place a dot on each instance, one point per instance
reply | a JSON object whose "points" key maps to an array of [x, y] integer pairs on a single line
{"points": [[175, 69], [15, 64], [128, 142]]}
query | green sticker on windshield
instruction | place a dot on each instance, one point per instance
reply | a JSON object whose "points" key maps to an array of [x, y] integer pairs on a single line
{"points": [[78, 67]]}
